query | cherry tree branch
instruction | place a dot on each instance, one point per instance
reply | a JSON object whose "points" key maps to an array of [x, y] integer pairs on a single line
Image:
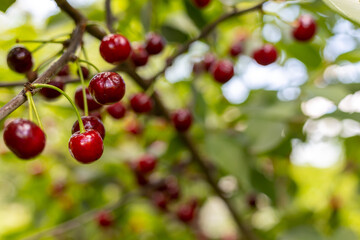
{"points": [[110, 18], [75, 40]]}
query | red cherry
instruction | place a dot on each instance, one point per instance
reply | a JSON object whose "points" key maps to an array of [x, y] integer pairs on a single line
{"points": [[90, 122], [222, 71], [105, 219], [86, 147], [186, 212], [209, 60], [115, 48], [96, 114], [201, 3], [134, 127], [79, 100], [117, 110], [160, 200], [252, 200], [198, 68], [19, 59], [305, 28], [24, 138], [139, 56], [154, 43], [265, 55], [182, 119], [141, 103], [85, 72], [236, 49], [107, 88], [50, 93], [172, 188], [65, 71], [146, 164]]}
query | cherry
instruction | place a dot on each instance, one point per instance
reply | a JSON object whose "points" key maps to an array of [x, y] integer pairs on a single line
{"points": [[236, 49], [105, 219], [209, 60], [146, 164], [117, 110], [85, 72], [252, 200], [154, 43], [65, 71], [19, 59], [198, 68], [134, 127], [139, 56], [86, 147], [96, 114], [79, 100], [160, 200], [265, 55], [24, 138], [201, 3], [107, 88], [115, 48], [305, 28], [182, 120], [141, 103], [141, 179], [90, 122], [222, 71], [186, 212], [50, 93]]}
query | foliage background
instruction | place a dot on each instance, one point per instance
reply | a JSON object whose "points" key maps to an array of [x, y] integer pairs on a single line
{"points": [[288, 131]]}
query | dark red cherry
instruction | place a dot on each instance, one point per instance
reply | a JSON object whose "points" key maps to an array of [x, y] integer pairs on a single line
{"points": [[252, 200], [201, 3], [115, 48], [19, 59], [24, 138], [171, 188], [222, 71], [305, 28], [96, 114], [139, 56], [182, 119], [141, 103], [86, 147], [160, 200], [107, 88], [146, 164], [209, 60], [154, 43], [90, 122], [134, 127], [65, 71], [117, 110], [85, 72], [105, 219], [236, 49], [50, 93], [198, 68], [186, 212], [79, 100], [265, 55]]}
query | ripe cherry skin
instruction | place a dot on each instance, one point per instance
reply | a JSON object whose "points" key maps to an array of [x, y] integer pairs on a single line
{"points": [[79, 100], [160, 200], [265, 55], [86, 147], [90, 122], [139, 56], [105, 219], [65, 71], [85, 72], [24, 138], [146, 164], [236, 49], [154, 43], [19, 59], [182, 120], [209, 60], [117, 110], [115, 48], [201, 3], [305, 29], [50, 93], [222, 71], [107, 88], [186, 212], [141, 103]]}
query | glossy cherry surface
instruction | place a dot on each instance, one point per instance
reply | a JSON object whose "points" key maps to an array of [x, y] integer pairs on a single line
{"points": [[139, 56], [90, 122], [86, 147], [65, 71], [85, 72], [19, 59], [182, 119], [154, 43], [24, 138], [107, 88], [146, 164], [186, 212], [265, 55], [117, 110], [222, 71], [115, 48], [305, 28], [79, 100], [141, 103], [49, 93]]}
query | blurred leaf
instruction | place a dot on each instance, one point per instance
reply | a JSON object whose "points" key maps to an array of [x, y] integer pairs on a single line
{"points": [[301, 233], [195, 14], [334, 93], [145, 17], [199, 105], [343, 234], [347, 8], [173, 34], [5, 4], [352, 56], [263, 184]]}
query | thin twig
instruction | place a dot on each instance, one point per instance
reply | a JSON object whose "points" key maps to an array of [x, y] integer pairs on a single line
{"points": [[110, 19]]}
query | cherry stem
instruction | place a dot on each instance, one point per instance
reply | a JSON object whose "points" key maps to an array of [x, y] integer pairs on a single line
{"points": [[89, 63], [39, 41], [42, 85], [32, 104], [31, 117], [86, 109]]}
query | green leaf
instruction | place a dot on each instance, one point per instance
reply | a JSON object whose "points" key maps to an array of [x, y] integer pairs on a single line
{"points": [[199, 104], [5, 4], [195, 14], [173, 34], [301, 233], [145, 17], [342, 234], [352, 56], [334, 93], [347, 8]]}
